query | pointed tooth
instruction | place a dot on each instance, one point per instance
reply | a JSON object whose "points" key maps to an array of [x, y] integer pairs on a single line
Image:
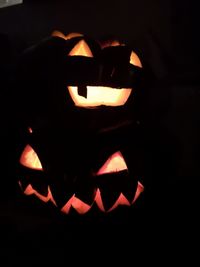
{"points": [[23, 184], [98, 200], [113, 184], [140, 189], [109, 191], [80, 206], [121, 201], [66, 208], [62, 191], [61, 195], [85, 191], [31, 191], [109, 197], [37, 180], [40, 187], [129, 188], [123, 182], [50, 196]]}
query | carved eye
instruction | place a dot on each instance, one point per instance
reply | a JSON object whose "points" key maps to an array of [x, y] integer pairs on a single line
{"points": [[134, 60], [114, 163], [81, 49], [30, 159]]}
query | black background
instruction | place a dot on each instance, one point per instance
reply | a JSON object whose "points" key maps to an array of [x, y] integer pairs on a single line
{"points": [[165, 36]]}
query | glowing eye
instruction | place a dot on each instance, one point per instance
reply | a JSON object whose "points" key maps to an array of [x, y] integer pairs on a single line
{"points": [[134, 59], [115, 163], [30, 159], [81, 49]]}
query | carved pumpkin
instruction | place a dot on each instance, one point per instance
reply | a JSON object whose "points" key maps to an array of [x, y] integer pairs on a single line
{"points": [[77, 129]]}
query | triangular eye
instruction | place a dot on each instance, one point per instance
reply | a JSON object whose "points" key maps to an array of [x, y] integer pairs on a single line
{"points": [[29, 159], [114, 163], [134, 60], [81, 49]]}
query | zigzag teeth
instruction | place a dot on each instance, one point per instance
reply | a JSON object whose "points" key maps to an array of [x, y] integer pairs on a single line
{"points": [[80, 206], [31, 191]]}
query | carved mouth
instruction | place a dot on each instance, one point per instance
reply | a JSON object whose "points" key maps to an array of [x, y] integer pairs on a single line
{"points": [[82, 207], [108, 187]]}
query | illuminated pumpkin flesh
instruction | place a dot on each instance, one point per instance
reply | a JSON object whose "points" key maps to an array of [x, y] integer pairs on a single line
{"points": [[114, 164], [100, 95], [76, 152]]}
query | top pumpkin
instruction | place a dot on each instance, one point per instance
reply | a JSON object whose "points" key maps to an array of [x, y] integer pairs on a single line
{"points": [[109, 67]]}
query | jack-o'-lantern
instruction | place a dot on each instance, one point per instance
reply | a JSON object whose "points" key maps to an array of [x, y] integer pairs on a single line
{"points": [[80, 139], [113, 61]]}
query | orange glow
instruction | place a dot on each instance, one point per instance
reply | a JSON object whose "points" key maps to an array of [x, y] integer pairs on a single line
{"points": [[73, 35], [58, 34], [122, 200], [81, 49], [99, 201], [100, 95], [67, 206], [110, 43], [30, 191], [140, 189], [30, 130], [115, 163], [80, 206], [134, 59], [66, 37], [30, 159]]}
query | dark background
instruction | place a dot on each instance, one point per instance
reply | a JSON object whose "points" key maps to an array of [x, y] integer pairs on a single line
{"points": [[165, 36]]}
